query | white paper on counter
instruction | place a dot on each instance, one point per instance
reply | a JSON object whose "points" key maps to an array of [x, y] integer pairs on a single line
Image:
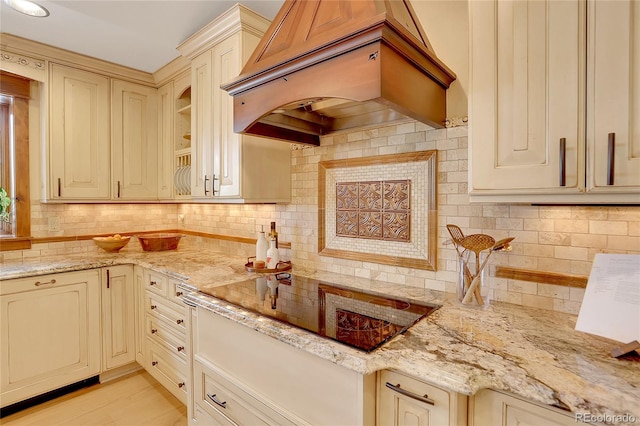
{"points": [[611, 304]]}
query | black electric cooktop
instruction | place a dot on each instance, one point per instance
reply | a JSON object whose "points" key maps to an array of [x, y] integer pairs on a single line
{"points": [[361, 319]]}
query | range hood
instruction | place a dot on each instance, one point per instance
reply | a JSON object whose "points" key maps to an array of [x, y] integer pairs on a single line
{"points": [[330, 65]]}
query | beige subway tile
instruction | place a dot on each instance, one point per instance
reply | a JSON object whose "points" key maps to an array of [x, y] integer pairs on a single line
{"points": [[618, 242], [525, 212], [555, 291], [589, 240], [554, 265], [571, 253], [555, 212], [555, 238], [628, 213], [566, 306], [522, 287], [495, 211], [589, 212], [507, 297], [608, 227], [576, 294], [535, 301]]}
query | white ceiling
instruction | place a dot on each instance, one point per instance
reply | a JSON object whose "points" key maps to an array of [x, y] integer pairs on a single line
{"points": [[140, 34]]}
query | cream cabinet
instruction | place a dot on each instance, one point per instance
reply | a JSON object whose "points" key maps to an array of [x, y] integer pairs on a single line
{"points": [[174, 154], [49, 333], [226, 166], [80, 138], [404, 400], [165, 331], [489, 407], [139, 312], [118, 316], [536, 133], [242, 376], [134, 141], [103, 138]]}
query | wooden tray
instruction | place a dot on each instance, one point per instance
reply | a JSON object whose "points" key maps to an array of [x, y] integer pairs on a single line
{"points": [[280, 267]]}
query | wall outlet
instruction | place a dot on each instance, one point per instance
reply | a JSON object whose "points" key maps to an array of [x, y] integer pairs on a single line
{"points": [[54, 223]]}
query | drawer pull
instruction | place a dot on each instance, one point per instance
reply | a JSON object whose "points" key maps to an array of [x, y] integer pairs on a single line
{"points": [[181, 385], [152, 283], [180, 348], [153, 307], [178, 293], [179, 321], [38, 283], [154, 363], [223, 404], [424, 398], [154, 330], [563, 162]]}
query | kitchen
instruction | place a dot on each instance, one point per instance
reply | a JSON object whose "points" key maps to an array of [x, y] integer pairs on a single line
{"points": [[549, 238]]}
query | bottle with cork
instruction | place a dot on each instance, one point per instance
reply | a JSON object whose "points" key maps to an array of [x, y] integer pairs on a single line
{"points": [[273, 234]]}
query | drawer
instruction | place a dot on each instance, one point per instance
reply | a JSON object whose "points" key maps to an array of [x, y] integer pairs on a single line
{"points": [[43, 282], [165, 336], [155, 282], [171, 313], [202, 417], [168, 369], [175, 293], [219, 395]]}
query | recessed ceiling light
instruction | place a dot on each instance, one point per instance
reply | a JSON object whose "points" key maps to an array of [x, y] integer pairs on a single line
{"points": [[28, 8]]}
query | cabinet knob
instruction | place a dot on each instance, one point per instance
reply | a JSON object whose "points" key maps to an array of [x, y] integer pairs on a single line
{"points": [[153, 307], [181, 384], [154, 363], [154, 331], [152, 283], [178, 293], [180, 348], [179, 321]]}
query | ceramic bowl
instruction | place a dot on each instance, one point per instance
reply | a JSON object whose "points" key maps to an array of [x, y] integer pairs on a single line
{"points": [[111, 244], [159, 241]]}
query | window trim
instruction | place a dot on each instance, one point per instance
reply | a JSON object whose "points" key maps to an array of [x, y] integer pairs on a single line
{"points": [[19, 88]]}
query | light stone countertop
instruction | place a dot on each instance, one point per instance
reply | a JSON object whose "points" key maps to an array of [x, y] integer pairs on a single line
{"points": [[531, 353]]}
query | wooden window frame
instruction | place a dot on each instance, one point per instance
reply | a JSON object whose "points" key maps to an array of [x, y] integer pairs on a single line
{"points": [[18, 88]]}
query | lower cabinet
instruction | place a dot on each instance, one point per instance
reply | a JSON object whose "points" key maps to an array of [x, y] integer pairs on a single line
{"points": [[403, 400], [242, 376], [118, 314], [49, 333], [489, 407], [165, 333]]}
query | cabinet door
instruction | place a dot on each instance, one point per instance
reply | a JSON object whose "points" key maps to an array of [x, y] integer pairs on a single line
{"points": [[226, 143], [526, 95], [166, 112], [494, 408], [79, 144], [118, 316], [406, 401], [202, 125], [49, 333], [134, 141], [614, 95]]}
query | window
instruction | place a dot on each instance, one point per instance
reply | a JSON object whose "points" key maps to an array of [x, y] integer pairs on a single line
{"points": [[14, 159]]}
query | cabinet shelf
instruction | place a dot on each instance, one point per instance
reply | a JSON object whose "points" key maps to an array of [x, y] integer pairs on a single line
{"points": [[185, 110]]}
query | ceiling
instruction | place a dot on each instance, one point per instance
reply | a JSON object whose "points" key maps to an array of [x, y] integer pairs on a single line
{"points": [[139, 34]]}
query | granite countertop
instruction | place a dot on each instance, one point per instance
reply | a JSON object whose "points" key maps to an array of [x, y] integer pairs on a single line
{"points": [[532, 353]]}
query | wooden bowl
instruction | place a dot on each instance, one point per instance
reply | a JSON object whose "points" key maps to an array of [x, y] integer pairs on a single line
{"points": [[159, 241], [111, 244]]}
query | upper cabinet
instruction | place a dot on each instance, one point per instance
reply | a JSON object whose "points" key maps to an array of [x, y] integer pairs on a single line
{"points": [[226, 166], [79, 142], [537, 135], [103, 140]]}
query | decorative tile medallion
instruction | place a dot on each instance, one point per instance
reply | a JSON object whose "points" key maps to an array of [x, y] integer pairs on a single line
{"points": [[378, 210]]}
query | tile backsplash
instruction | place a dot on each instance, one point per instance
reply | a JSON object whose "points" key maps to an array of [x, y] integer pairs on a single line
{"points": [[547, 238]]}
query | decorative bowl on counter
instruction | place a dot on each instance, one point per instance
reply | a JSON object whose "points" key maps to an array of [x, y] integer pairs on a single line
{"points": [[159, 241], [111, 244]]}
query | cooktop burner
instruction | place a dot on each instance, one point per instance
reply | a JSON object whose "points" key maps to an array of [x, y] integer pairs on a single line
{"points": [[361, 319]]}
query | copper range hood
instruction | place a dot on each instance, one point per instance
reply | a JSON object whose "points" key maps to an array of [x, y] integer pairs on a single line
{"points": [[330, 65]]}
